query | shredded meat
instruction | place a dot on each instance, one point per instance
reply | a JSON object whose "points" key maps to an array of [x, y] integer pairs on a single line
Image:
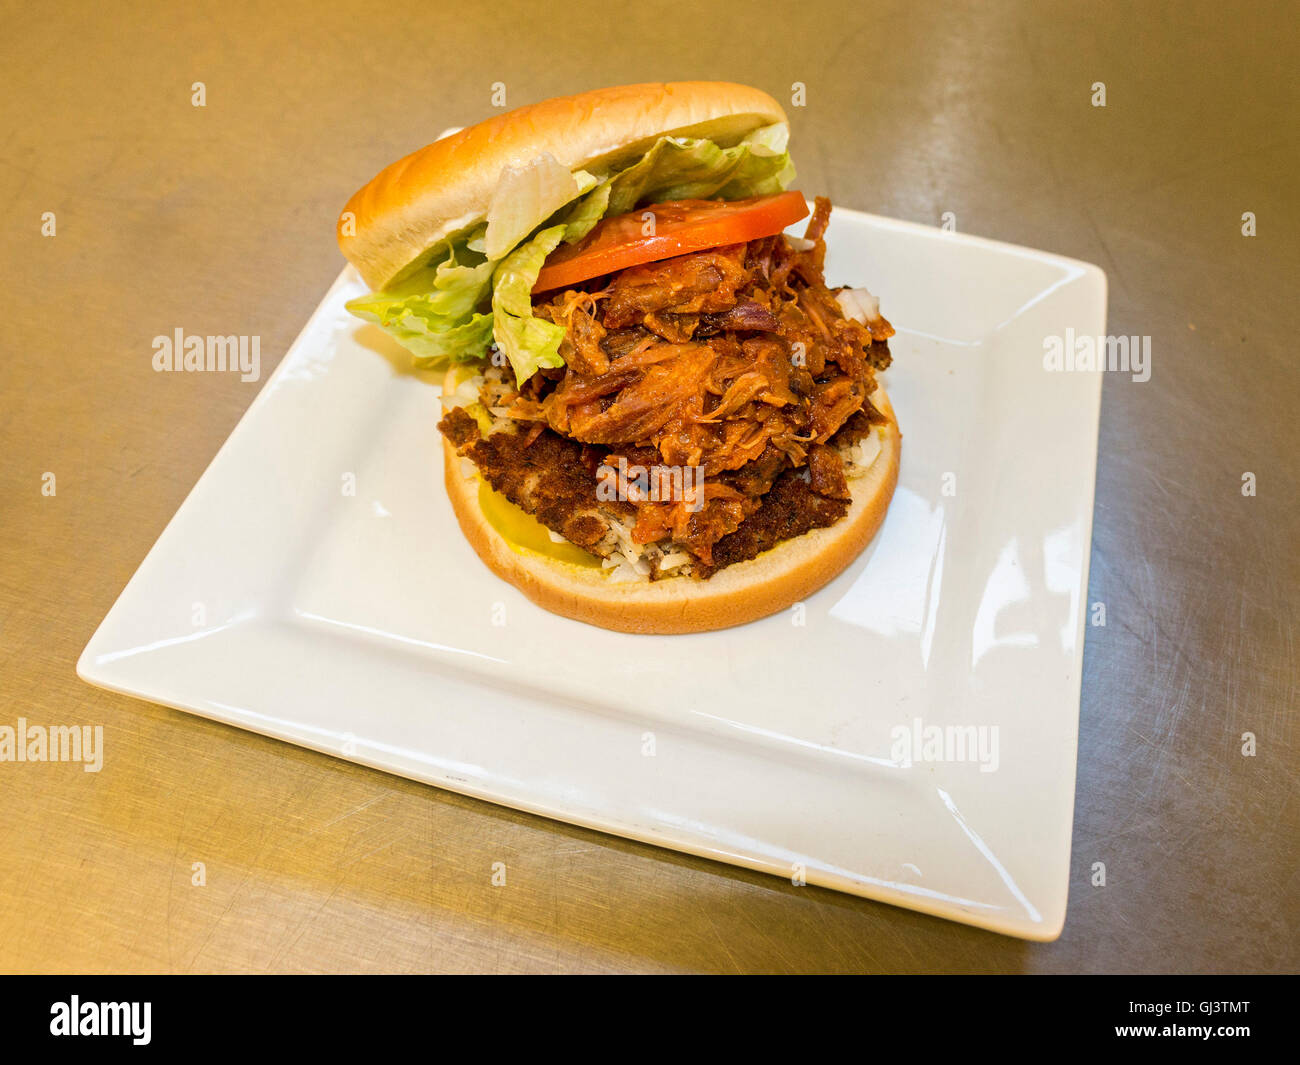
{"points": [[704, 281], [858, 425], [748, 315], [737, 361], [583, 334], [554, 479]]}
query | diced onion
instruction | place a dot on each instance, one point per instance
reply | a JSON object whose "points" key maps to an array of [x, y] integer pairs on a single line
{"points": [[869, 449], [858, 304]]}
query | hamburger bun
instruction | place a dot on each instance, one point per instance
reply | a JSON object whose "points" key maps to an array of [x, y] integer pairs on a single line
{"points": [[446, 187], [743, 592]]}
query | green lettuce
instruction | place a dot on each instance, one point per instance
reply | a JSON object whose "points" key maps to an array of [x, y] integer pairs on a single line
{"points": [[529, 342], [582, 217], [679, 168], [525, 197], [440, 311], [434, 312]]}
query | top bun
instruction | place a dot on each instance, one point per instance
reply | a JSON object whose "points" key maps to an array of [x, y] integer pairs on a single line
{"points": [[446, 187]]}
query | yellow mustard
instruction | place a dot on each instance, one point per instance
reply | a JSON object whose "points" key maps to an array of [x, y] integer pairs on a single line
{"points": [[524, 533]]}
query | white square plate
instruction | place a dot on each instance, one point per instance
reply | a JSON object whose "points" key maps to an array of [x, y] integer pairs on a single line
{"points": [[363, 625]]}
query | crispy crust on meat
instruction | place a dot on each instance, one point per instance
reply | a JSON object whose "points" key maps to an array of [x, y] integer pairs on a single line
{"points": [[740, 593], [551, 478]]}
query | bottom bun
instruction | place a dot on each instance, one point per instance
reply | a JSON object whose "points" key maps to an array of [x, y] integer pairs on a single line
{"points": [[740, 593]]}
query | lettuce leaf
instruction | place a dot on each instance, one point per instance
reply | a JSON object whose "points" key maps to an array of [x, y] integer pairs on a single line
{"points": [[679, 168], [439, 311], [529, 342], [525, 197], [582, 217], [434, 311]]}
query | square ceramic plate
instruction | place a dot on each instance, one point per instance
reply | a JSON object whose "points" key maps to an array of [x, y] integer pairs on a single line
{"points": [[363, 625]]}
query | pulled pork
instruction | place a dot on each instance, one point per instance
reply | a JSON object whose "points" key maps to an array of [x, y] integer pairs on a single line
{"points": [[737, 360]]}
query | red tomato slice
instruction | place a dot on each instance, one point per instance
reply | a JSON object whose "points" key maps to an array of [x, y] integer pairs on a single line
{"points": [[679, 227]]}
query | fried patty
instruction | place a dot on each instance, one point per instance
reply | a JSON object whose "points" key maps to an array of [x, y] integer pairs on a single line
{"points": [[792, 508], [554, 479]]}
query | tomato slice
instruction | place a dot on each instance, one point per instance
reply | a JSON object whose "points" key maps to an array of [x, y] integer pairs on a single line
{"points": [[680, 226]]}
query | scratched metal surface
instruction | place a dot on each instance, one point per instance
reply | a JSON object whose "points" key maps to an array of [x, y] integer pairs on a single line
{"points": [[220, 220]]}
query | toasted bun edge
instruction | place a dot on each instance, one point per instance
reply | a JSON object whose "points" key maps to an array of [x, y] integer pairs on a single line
{"points": [[445, 187]]}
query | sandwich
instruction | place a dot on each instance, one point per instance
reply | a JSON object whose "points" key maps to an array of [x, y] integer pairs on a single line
{"points": [[656, 416]]}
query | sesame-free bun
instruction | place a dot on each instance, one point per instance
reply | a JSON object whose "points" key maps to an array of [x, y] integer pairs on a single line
{"points": [[743, 592], [446, 187]]}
